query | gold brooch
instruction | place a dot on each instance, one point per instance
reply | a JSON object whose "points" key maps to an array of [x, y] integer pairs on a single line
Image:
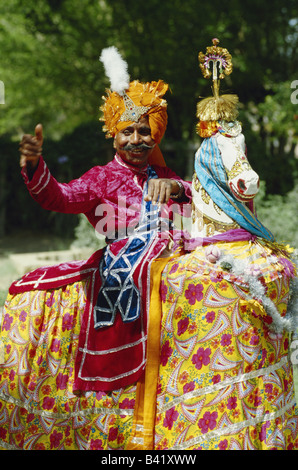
{"points": [[132, 112]]}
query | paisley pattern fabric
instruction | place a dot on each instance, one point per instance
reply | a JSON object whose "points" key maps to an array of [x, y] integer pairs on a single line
{"points": [[225, 378], [38, 409]]}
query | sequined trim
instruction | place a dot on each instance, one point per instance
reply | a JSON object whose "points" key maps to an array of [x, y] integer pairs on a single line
{"points": [[212, 225], [7, 446], [108, 351], [71, 414], [86, 351], [36, 282], [44, 185], [234, 428], [224, 384], [40, 185]]}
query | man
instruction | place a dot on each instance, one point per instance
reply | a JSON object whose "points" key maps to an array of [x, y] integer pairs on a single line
{"points": [[82, 326], [118, 186], [133, 145]]}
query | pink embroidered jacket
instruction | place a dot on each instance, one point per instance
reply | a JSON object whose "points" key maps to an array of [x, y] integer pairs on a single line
{"points": [[104, 191], [110, 196]]}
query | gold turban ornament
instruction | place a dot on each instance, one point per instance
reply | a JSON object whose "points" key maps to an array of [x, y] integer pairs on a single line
{"points": [[215, 63], [126, 102]]}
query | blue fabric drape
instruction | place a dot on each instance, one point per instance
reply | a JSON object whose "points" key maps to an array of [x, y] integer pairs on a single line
{"points": [[212, 175], [118, 291]]}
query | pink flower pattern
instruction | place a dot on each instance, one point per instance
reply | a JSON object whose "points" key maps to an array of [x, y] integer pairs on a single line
{"points": [[208, 422], [171, 416], [207, 337], [196, 362], [46, 363], [166, 352], [201, 358], [194, 293], [182, 326]]}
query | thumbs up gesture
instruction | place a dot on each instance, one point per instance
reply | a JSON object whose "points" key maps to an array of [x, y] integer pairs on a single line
{"points": [[31, 148]]}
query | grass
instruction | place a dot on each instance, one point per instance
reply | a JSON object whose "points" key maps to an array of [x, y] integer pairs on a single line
{"points": [[24, 242], [30, 242]]}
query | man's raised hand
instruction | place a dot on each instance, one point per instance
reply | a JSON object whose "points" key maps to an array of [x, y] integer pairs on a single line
{"points": [[31, 148]]}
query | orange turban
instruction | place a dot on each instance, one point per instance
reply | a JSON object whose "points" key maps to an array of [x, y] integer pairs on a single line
{"points": [[148, 95]]}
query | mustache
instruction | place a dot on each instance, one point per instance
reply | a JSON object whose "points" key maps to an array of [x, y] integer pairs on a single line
{"points": [[129, 147]]}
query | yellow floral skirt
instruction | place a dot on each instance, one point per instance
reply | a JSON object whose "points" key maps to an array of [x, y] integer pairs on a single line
{"points": [[38, 409], [218, 376], [225, 378]]}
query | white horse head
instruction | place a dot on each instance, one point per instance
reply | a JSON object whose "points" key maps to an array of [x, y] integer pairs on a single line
{"points": [[224, 185], [243, 181]]}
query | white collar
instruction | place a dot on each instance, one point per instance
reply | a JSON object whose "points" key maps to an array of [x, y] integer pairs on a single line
{"points": [[130, 167]]}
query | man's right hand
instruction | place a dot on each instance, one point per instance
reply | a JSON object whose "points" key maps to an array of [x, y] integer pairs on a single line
{"points": [[31, 148]]}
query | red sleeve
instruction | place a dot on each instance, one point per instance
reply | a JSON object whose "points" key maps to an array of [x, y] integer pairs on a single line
{"points": [[78, 196]]}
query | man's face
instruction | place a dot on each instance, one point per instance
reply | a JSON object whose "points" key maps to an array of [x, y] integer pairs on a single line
{"points": [[134, 144]]}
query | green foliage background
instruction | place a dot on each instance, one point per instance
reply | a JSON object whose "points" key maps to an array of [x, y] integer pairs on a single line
{"points": [[49, 65]]}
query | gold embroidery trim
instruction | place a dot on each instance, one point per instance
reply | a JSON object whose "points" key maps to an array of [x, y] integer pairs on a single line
{"points": [[201, 220]]}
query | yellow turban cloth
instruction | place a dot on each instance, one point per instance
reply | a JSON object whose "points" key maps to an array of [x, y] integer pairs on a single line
{"points": [[149, 95]]}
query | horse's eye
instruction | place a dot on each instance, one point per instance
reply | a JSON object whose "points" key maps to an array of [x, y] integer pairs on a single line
{"points": [[241, 185]]}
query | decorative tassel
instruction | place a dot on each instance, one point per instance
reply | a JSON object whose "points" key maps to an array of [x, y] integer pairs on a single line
{"points": [[215, 109]]}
